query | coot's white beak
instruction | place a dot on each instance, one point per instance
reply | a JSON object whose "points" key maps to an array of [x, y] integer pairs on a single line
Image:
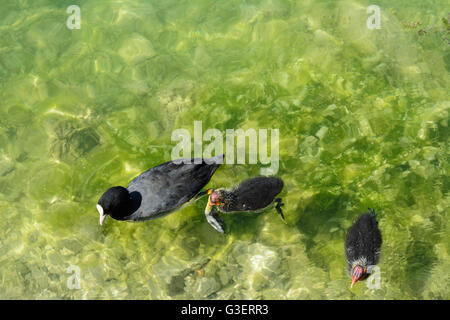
{"points": [[102, 214]]}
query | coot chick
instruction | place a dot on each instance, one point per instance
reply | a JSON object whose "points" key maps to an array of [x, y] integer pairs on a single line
{"points": [[158, 191], [362, 246], [253, 194]]}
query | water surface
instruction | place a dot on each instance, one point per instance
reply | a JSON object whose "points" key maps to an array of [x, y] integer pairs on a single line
{"points": [[363, 118]]}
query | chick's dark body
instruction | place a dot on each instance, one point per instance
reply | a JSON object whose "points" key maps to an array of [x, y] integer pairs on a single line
{"points": [[363, 241], [252, 194]]}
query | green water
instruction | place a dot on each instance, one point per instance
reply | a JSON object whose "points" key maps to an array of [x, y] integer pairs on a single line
{"points": [[363, 118]]}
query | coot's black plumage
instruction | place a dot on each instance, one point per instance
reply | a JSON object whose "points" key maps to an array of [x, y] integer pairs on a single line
{"points": [[253, 194], [362, 246], [159, 190]]}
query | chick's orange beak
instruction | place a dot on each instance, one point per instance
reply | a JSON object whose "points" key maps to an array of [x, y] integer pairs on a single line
{"points": [[354, 280]]}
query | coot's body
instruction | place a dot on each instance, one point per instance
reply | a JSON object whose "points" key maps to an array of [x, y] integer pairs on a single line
{"points": [[158, 191], [363, 245]]}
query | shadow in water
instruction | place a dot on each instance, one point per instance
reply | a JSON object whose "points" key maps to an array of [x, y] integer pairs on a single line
{"points": [[420, 258], [325, 212], [243, 223]]}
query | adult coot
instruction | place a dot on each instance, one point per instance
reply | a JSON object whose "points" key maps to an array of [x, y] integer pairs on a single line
{"points": [[362, 246], [253, 194], [158, 191]]}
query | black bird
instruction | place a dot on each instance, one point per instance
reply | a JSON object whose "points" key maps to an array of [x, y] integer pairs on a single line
{"points": [[362, 246], [158, 191], [253, 194]]}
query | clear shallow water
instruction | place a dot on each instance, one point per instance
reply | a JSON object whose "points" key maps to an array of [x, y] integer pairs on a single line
{"points": [[363, 118]]}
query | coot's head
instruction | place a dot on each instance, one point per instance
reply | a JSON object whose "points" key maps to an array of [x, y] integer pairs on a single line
{"points": [[358, 273], [115, 202]]}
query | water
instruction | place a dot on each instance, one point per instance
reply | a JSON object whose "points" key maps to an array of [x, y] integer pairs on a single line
{"points": [[363, 118]]}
